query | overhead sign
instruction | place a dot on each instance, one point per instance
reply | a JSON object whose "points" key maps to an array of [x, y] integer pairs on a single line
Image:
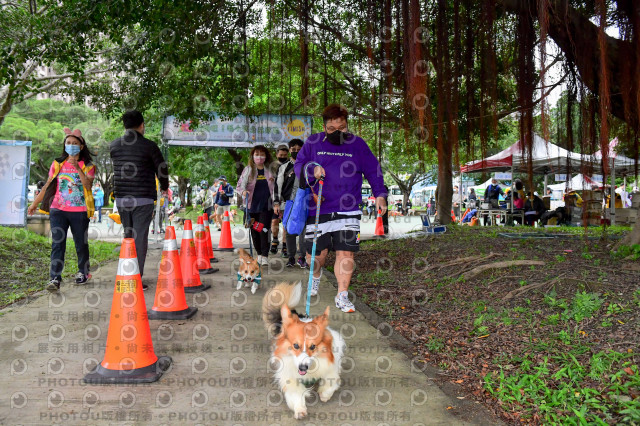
{"points": [[15, 157], [238, 132], [561, 178], [597, 178], [502, 176]]}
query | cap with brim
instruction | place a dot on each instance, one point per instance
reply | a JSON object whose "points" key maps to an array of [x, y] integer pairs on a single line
{"points": [[222, 177]]}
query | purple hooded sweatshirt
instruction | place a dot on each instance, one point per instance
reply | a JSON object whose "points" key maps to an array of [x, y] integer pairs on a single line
{"points": [[344, 166]]}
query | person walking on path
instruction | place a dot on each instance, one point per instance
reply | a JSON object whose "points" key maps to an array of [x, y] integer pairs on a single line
{"points": [[68, 191], [98, 200], [222, 200], [287, 184], [344, 158], [137, 162], [282, 155], [256, 182]]}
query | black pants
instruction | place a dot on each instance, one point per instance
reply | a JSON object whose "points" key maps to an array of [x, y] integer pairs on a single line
{"points": [[291, 244], [261, 239], [135, 221], [60, 222]]}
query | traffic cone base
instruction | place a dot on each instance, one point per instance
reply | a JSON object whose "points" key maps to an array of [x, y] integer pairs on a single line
{"points": [[214, 260], [208, 270], [149, 374], [197, 289], [175, 315]]}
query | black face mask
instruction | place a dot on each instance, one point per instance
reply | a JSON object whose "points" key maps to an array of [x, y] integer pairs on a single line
{"points": [[283, 160], [294, 155], [337, 137]]}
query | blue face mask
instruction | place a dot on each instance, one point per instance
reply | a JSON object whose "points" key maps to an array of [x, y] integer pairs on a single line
{"points": [[72, 149]]}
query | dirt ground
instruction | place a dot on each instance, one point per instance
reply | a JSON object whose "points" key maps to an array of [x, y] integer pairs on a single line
{"points": [[475, 327]]}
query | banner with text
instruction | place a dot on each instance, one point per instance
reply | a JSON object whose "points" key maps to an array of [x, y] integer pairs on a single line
{"points": [[15, 157], [238, 132]]}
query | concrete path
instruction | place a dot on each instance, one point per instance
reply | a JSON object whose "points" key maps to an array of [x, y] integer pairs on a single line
{"points": [[220, 372]]}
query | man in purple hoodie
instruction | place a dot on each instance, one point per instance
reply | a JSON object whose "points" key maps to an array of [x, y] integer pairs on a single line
{"points": [[343, 159]]}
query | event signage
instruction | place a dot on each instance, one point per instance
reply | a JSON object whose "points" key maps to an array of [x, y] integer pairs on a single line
{"points": [[238, 132], [502, 176], [561, 178], [15, 157], [597, 178]]}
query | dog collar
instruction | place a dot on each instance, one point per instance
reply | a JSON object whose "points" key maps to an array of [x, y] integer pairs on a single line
{"points": [[257, 280]]}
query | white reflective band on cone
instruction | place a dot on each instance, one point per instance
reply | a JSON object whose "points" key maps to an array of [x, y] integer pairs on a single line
{"points": [[187, 234], [170, 245], [128, 267], [225, 218], [199, 227], [205, 223]]}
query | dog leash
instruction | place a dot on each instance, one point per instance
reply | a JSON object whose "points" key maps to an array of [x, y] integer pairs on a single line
{"points": [[315, 232], [246, 216]]}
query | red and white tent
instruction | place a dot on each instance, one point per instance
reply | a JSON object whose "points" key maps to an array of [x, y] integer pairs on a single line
{"points": [[546, 158]]}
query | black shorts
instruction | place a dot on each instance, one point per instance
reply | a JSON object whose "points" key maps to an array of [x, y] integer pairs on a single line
{"points": [[345, 239]]}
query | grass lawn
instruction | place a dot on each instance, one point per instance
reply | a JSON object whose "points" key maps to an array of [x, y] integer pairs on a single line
{"points": [[553, 343], [25, 259]]}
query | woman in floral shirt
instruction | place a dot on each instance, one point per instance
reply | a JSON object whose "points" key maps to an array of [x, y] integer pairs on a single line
{"points": [[72, 174]]}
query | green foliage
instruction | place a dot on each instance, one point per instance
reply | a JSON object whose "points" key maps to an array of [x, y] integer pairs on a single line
{"points": [[26, 257], [565, 397], [584, 305], [632, 252]]}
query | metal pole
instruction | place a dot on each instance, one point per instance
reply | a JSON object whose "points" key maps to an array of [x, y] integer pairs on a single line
{"points": [[612, 202]]}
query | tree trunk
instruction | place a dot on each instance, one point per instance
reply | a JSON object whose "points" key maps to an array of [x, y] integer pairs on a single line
{"points": [[577, 36], [182, 190], [632, 237], [445, 184], [237, 159]]}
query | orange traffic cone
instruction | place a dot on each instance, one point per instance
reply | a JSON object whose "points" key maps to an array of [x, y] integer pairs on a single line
{"points": [[188, 262], [379, 225], [170, 302], [226, 243], [129, 355], [202, 250], [207, 233]]}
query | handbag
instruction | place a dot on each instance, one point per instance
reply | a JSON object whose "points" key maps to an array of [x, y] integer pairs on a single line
{"points": [[45, 204], [296, 212]]}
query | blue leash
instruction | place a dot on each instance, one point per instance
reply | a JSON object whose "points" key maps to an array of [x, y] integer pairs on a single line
{"points": [[246, 216], [315, 236]]}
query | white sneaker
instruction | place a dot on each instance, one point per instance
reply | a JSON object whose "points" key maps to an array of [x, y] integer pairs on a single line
{"points": [[315, 284], [259, 260], [264, 261], [343, 302]]}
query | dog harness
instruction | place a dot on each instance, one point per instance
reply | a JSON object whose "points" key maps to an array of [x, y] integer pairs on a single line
{"points": [[257, 280]]}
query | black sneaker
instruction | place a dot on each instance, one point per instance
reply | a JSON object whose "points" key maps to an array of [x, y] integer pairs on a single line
{"points": [[284, 250], [291, 263], [53, 285], [274, 247], [302, 262], [145, 287], [82, 278]]}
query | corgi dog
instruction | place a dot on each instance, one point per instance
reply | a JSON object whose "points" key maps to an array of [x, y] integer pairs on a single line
{"points": [[248, 271], [306, 353]]}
